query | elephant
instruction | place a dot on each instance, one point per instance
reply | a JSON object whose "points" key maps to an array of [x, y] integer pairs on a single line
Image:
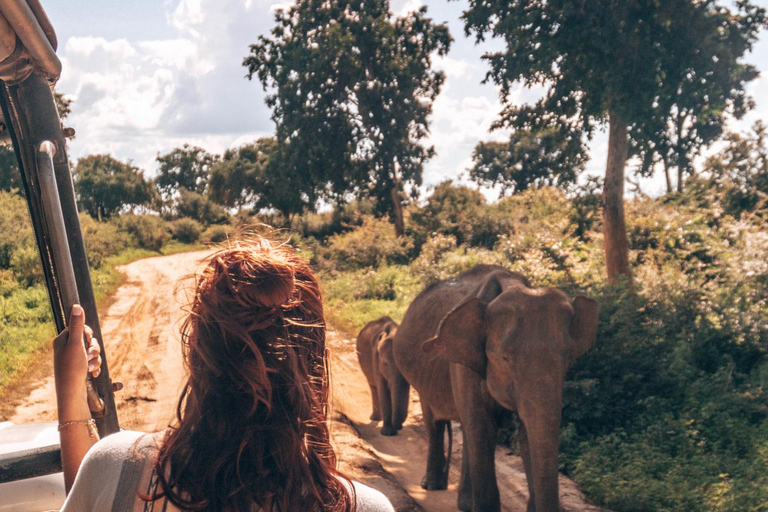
{"points": [[389, 390], [480, 347]]}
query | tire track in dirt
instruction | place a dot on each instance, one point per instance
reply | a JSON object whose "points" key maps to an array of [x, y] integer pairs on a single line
{"points": [[142, 344]]}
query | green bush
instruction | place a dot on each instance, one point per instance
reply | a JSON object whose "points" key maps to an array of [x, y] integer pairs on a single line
{"points": [[200, 208], [372, 244], [217, 234], [146, 231], [186, 231], [102, 239]]}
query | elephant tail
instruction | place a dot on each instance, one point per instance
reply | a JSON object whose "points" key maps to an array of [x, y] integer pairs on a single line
{"points": [[450, 451]]}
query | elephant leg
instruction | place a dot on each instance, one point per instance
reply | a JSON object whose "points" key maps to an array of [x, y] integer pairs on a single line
{"points": [[525, 453], [400, 394], [465, 483], [376, 414], [385, 406], [481, 436], [480, 429], [436, 478]]}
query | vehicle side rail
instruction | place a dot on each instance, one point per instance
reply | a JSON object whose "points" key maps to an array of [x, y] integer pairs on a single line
{"points": [[30, 463]]}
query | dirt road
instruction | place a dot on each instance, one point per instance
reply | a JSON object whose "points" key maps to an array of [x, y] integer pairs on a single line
{"points": [[141, 336]]}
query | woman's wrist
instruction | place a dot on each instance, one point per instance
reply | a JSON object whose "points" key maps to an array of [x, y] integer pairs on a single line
{"points": [[72, 405]]}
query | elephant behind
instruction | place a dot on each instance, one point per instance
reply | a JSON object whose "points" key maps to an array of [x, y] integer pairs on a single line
{"points": [[478, 346], [389, 390]]}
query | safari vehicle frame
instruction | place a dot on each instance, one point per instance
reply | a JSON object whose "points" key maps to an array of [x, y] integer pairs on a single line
{"points": [[29, 68]]}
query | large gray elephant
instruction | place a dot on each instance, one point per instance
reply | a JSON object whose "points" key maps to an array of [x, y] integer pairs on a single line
{"points": [[478, 346], [389, 390]]}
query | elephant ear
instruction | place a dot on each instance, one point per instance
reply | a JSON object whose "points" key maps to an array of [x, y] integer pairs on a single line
{"points": [[490, 289], [583, 328], [461, 336]]}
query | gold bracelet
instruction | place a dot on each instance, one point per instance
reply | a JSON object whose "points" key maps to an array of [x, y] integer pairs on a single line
{"points": [[91, 424]]}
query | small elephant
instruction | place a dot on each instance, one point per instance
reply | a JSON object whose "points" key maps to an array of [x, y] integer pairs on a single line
{"points": [[389, 390], [483, 344]]}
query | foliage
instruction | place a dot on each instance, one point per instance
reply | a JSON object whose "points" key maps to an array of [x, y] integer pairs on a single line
{"points": [[186, 167], [199, 207], [106, 186], [10, 176], [528, 159], [650, 63], [662, 74], [669, 410], [102, 240], [351, 89], [741, 170], [146, 231], [19, 257], [186, 230], [450, 210], [217, 234], [253, 176], [373, 245]]}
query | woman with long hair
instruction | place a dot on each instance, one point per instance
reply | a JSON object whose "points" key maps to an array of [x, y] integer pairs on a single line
{"points": [[251, 429]]}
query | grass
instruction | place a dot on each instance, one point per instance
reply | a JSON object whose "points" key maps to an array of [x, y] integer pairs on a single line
{"points": [[353, 299], [26, 320]]}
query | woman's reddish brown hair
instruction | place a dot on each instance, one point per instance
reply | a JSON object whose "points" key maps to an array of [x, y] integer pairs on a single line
{"points": [[252, 420]]}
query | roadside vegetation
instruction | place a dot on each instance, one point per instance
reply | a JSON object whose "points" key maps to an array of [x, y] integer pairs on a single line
{"points": [[26, 321], [669, 410]]}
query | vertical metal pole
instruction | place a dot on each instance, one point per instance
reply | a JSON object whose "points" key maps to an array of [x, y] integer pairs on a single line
{"points": [[65, 271]]}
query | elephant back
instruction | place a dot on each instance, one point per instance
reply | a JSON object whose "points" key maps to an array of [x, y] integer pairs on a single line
{"points": [[366, 340]]}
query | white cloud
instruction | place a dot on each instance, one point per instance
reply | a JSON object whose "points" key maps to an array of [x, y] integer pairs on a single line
{"points": [[453, 68], [137, 98], [187, 16], [403, 7]]}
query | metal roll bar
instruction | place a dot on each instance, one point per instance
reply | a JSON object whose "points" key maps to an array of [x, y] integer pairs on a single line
{"points": [[35, 33], [65, 271]]}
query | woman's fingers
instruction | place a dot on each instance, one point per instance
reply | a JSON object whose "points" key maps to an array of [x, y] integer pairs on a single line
{"points": [[94, 357]]}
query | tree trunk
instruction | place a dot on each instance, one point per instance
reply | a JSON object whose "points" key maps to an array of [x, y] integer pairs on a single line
{"points": [[614, 224], [680, 179], [667, 177], [397, 211]]}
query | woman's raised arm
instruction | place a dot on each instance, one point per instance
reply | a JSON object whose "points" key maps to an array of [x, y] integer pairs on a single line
{"points": [[72, 363]]}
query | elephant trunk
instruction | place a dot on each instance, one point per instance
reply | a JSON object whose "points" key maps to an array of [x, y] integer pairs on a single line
{"points": [[544, 440], [400, 397]]}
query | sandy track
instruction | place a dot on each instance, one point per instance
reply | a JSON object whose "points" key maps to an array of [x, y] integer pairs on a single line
{"points": [[141, 336], [141, 340]]}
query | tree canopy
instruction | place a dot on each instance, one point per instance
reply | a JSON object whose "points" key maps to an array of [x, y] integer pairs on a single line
{"points": [[105, 185], [640, 66], [185, 167], [353, 91], [252, 176], [528, 159]]}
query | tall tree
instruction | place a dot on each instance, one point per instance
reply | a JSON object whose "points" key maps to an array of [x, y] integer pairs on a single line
{"points": [[619, 62], [353, 90], [548, 157], [185, 167], [105, 186]]}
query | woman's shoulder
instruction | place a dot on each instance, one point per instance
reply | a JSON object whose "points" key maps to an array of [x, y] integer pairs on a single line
{"points": [[118, 442], [369, 499], [99, 473]]}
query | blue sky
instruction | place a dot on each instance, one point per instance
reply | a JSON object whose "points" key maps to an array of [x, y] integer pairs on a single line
{"points": [[150, 75]]}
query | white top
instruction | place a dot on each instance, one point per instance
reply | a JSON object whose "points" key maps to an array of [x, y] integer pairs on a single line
{"points": [[97, 480]]}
